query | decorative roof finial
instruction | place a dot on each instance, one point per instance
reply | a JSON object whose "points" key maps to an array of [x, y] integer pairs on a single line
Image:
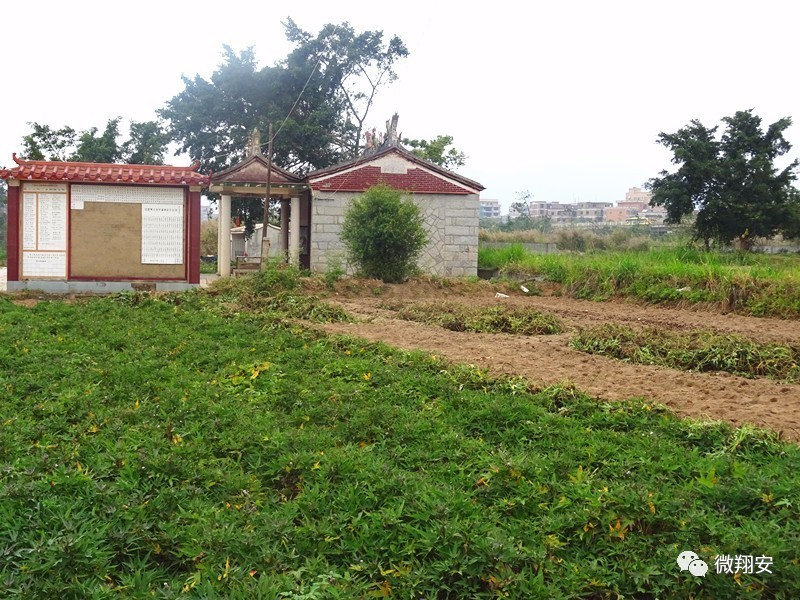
{"points": [[392, 139], [254, 148]]}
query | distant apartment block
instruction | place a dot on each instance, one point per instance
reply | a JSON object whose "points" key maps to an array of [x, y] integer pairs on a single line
{"points": [[566, 214], [635, 208], [490, 209]]}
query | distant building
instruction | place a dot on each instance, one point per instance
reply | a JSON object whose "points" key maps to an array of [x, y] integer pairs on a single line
{"points": [[590, 212], [655, 215], [636, 194], [568, 213], [630, 210], [617, 214], [490, 209]]}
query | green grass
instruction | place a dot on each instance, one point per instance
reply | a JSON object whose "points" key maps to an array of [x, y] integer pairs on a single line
{"points": [[196, 445], [208, 268], [754, 284], [493, 258], [489, 319], [695, 351]]}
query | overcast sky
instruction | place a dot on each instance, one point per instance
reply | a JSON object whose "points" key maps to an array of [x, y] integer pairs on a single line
{"points": [[561, 99]]}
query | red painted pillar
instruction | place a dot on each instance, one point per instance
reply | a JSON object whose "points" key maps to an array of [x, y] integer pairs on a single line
{"points": [[194, 237], [13, 234]]}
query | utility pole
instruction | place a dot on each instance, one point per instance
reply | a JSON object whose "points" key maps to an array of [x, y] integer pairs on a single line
{"points": [[265, 225]]}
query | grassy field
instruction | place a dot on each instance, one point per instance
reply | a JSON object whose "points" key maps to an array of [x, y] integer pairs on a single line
{"points": [[202, 445], [748, 283]]}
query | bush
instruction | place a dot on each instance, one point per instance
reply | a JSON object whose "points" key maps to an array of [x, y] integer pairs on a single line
{"points": [[384, 233]]}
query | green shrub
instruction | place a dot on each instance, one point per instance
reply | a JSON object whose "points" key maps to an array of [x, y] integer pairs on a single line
{"points": [[384, 233]]}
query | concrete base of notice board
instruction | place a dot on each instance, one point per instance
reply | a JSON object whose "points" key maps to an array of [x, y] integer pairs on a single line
{"points": [[98, 287]]}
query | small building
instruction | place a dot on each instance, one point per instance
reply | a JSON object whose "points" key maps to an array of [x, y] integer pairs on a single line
{"points": [[241, 245], [91, 227], [449, 202], [248, 179]]}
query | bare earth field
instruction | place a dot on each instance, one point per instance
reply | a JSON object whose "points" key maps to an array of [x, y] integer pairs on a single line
{"points": [[547, 360]]}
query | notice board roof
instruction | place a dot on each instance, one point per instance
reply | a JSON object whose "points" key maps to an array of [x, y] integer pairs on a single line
{"points": [[42, 170]]}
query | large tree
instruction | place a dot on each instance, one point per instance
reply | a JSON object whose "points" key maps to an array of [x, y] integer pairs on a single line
{"points": [[319, 97], [212, 119], [355, 66], [147, 143], [730, 181]]}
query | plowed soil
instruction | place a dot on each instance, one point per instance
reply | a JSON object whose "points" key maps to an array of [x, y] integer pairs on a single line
{"points": [[547, 360]]}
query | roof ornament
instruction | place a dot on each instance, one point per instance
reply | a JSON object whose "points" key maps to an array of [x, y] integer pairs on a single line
{"points": [[392, 139], [375, 142], [254, 147]]}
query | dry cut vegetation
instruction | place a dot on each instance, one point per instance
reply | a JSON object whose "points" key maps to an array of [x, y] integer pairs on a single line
{"points": [[486, 319]]}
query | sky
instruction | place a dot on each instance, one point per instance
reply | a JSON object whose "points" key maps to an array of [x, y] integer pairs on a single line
{"points": [[561, 100]]}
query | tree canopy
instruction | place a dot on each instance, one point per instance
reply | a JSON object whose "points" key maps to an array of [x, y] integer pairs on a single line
{"points": [[438, 150], [730, 182], [147, 143], [319, 97]]}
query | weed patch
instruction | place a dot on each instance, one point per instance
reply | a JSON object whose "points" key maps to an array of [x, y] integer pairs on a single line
{"points": [[697, 351], [745, 283], [273, 293], [494, 319]]}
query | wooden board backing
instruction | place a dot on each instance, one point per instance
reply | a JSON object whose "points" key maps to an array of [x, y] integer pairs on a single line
{"points": [[106, 242]]}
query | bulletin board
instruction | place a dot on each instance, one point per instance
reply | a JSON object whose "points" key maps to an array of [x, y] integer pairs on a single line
{"points": [[127, 232], [44, 231]]}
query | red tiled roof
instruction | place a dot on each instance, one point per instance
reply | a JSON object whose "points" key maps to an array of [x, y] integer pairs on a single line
{"points": [[41, 170], [426, 177], [415, 181]]}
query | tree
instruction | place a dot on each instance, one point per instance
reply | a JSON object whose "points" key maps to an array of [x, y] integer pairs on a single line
{"points": [[355, 66], [45, 143], [437, 151], [99, 149], [730, 183], [384, 232], [319, 97], [147, 143]]}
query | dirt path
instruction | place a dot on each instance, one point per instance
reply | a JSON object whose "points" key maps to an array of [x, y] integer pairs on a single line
{"points": [[548, 360]]}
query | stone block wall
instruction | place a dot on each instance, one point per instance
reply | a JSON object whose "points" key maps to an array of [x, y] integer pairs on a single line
{"points": [[451, 221]]}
